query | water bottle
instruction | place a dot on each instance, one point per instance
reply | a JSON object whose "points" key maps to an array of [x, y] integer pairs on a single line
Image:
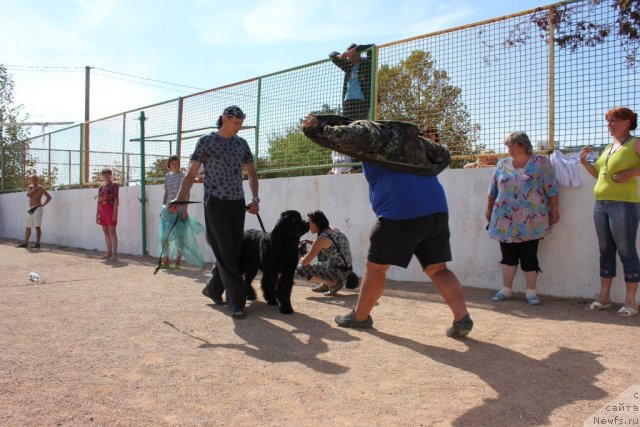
{"points": [[34, 277]]}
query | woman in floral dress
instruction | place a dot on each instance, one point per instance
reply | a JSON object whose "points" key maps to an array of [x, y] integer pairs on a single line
{"points": [[521, 208]]}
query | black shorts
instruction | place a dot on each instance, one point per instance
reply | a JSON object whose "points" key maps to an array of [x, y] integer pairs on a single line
{"points": [[396, 241], [524, 252]]}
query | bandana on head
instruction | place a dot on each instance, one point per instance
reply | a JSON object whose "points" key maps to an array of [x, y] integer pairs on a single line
{"points": [[231, 111]]}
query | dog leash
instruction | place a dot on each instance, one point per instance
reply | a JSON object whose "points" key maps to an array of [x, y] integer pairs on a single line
{"points": [[259, 219]]}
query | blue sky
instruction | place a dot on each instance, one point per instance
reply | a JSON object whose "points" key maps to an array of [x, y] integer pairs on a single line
{"points": [[198, 43]]}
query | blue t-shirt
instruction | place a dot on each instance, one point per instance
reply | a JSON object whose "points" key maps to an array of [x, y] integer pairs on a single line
{"points": [[398, 195]]}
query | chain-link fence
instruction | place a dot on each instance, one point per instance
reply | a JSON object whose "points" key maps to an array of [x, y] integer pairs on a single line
{"points": [[467, 87]]}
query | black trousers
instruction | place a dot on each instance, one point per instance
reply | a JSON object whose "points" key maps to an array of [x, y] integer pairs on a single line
{"points": [[224, 221]]}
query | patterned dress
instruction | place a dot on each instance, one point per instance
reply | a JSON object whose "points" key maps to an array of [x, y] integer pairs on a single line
{"points": [[330, 265], [107, 195], [521, 209]]}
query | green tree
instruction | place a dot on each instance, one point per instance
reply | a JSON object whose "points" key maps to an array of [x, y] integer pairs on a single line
{"points": [[14, 146], [49, 180], [291, 149], [117, 174], [416, 91], [158, 169]]}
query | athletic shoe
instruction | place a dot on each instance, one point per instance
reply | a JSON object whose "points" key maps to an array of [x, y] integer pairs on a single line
{"points": [[320, 288], [34, 246], [22, 245], [216, 300], [349, 321], [460, 328], [238, 314], [334, 290]]}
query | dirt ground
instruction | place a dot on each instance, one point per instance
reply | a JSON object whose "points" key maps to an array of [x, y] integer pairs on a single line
{"points": [[105, 344]]}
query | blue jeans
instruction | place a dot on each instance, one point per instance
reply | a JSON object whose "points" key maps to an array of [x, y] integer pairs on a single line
{"points": [[617, 228]]}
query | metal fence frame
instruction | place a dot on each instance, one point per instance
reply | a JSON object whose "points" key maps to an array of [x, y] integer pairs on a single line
{"points": [[176, 123]]}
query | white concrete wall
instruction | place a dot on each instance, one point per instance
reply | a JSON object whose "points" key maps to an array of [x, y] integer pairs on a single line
{"points": [[568, 256]]}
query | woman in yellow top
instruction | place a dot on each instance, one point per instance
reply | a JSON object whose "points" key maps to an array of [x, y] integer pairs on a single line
{"points": [[617, 209]]}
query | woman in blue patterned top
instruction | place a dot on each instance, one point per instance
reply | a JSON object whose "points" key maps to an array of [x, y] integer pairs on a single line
{"points": [[224, 155], [521, 208]]}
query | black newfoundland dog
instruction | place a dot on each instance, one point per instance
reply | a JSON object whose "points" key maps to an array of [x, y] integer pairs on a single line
{"points": [[276, 255]]}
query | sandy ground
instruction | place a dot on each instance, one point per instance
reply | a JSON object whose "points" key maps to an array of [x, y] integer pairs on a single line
{"points": [[99, 343]]}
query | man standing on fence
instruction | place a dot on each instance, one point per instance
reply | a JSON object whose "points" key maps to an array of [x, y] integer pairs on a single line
{"points": [[34, 214], [356, 91], [223, 155]]}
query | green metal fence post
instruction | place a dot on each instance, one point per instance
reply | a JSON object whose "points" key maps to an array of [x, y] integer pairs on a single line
{"points": [[143, 198], [179, 129], [373, 102], [4, 172], [551, 143], [257, 128], [23, 172], [124, 145], [81, 155]]}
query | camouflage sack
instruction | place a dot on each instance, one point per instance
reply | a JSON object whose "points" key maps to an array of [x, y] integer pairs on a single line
{"points": [[395, 145]]}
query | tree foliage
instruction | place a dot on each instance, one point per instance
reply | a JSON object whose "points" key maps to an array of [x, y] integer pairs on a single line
{"points": [[158, 169], [117, 174], [292, 150], [16, 156], [578, 24], [416, 91]]}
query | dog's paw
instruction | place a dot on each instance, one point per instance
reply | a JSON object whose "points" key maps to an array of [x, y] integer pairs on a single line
{"points": [[272, 301], [251, 294], [286, 309]]}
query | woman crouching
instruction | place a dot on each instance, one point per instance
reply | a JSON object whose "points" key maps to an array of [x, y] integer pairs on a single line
{"points": [[334, 256]]}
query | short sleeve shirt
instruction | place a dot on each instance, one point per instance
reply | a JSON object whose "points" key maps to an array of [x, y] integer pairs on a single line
{"points": [[521, 209], [223, 159], [107, 194], [172, 183]]}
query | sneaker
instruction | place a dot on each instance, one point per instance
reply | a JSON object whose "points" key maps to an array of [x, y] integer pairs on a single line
{"points": [[175, 267], [216, 300], [238, 314], [22, 245], [320, 288], [34, 246], [334, 290], [533, 300], [460, 328], [349, 321]]}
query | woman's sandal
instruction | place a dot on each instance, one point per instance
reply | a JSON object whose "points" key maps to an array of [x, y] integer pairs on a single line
{"points": [[499, 297], [627, 312], [596, 306]]}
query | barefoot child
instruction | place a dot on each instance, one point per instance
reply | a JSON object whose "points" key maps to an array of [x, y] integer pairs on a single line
{"points": [[107, 214]]}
